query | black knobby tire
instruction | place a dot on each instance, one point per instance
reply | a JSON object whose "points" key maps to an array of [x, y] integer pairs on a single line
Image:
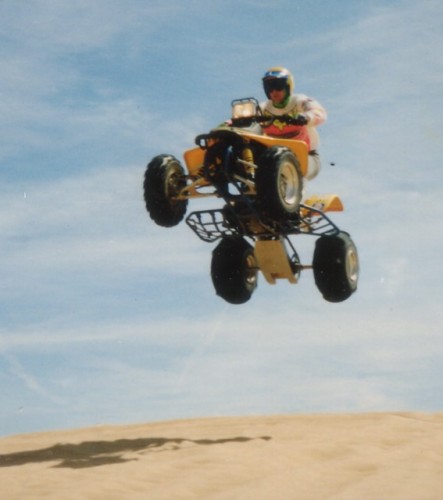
{"points": [[336, 267], [234, 270], [279, 183], [164, 179]]}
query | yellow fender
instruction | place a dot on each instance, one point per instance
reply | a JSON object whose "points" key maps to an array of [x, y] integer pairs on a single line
{"points": [[325, 202], [299, 148], [194, 157]]}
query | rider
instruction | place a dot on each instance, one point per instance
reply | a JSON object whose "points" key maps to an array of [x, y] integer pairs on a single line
{"points": [[278, 85]]}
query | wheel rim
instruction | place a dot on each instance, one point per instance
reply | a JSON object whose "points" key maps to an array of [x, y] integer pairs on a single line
{"points": [[288, 184], [250, 271], [352, 265], [173, 182]]}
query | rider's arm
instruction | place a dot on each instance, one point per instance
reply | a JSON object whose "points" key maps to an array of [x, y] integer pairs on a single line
{"points": [[313, 110]]}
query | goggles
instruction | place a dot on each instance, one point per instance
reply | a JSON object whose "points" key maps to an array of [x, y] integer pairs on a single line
{"points": [[271, 84]]}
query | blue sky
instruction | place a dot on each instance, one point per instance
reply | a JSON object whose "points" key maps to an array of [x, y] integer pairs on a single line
{"points": [[107, 318]]}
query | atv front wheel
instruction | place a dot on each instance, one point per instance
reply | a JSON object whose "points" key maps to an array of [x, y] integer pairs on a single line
{"points": [[336, 267], [234, 270], [164, 179], [279, 183]]}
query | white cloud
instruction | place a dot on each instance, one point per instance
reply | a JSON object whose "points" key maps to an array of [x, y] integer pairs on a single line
{"points": [[65, 231], [61, 90], [60, 25], [30, 381]]}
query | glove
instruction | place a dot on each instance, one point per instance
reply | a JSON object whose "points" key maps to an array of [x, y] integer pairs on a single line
{"points": [[300, 120]]}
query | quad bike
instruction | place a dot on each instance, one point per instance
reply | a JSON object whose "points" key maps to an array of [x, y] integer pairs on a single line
{"points": [[260, 179]]}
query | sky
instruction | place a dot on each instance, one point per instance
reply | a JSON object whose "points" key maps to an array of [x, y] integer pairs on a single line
{"points": [[106, 317]]}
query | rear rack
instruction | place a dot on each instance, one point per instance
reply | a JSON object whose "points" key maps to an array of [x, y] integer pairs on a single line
{"points": [[315, 222], [210, 225]]}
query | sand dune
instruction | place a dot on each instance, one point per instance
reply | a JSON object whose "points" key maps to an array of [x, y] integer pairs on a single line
{"points": [[363, 456]]}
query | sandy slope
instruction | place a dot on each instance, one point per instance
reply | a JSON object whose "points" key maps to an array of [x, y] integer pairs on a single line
{"points": [[364, 456]]}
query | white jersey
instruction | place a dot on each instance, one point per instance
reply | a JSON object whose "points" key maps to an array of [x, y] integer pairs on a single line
{"points": [[297, 104]]}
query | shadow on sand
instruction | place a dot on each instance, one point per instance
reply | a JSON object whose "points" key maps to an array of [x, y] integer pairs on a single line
{"points": [[97, 453]]}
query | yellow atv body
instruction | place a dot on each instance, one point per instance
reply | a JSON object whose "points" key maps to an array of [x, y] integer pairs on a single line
{"points": [[260, 180]]}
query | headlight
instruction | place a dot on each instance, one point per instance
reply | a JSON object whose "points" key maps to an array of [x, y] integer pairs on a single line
{"points": [[243, 110]]}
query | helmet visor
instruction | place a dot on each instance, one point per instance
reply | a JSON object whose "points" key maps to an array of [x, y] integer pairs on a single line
{"points": [[271, 84]]}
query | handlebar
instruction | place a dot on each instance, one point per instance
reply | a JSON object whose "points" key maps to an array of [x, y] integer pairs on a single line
{"points": [[290, 120], [299, 120]]}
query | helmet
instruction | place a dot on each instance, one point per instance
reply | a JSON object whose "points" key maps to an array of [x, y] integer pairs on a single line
{"points": [[278, 78]]}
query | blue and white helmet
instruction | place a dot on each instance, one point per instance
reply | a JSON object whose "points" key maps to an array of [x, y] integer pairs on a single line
{"points": [[278, 78]]}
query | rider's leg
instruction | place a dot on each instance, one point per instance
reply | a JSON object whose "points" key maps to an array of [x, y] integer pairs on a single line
{"points": [[314, 164]]}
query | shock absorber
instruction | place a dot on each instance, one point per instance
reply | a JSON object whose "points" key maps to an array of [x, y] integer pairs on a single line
{"points": [[248, 156]]}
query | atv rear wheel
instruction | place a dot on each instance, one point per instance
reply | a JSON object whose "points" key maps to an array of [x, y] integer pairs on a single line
{"points": [[336, 267], [234, 270], [164, 179], [279, 183]]}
